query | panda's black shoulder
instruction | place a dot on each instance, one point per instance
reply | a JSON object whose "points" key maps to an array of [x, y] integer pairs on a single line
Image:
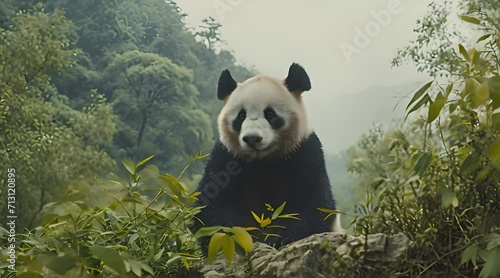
{"points": [[312, 142], [310, 149], [220, 151], [219, 158]]}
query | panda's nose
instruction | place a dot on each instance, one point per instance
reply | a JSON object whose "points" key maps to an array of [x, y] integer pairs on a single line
{"points": [[252, 140]]}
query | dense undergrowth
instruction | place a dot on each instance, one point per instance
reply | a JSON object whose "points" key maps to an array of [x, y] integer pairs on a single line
{"points": [[437, 178]]}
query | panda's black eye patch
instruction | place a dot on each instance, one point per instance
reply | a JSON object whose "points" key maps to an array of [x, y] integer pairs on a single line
{"points": [[274, 120], [269, 113], [238, 121], [242, 114]]}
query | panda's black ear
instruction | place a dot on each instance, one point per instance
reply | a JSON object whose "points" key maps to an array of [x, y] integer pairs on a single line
{"points": [[226, 85], [297, 80]]}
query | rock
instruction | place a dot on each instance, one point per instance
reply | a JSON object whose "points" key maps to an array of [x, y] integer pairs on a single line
{"points": [[396, 247], [376, 243], [320, 255]]}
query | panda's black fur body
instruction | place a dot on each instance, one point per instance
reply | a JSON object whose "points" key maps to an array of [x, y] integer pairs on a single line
{"points": [[233, 185]]}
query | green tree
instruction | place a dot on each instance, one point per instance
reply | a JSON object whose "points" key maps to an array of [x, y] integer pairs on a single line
{"points": [[155, 98], [45, 141], [109, 29], [210, 32]]}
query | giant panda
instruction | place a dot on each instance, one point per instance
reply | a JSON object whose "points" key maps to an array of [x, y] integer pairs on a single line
{"points": [[267, 153]]}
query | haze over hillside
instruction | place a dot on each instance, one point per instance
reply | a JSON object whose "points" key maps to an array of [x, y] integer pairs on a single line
{"points": [[355, 114], [352, 114]]}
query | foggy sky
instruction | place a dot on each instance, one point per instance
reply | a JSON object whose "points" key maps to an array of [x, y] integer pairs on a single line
{"points": [[318, 34]]}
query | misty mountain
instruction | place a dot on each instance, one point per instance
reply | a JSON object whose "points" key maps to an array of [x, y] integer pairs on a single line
{"points": [[341, 120], [359, 112]]}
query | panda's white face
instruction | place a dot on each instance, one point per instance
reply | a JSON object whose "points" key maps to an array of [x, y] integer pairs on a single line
{"points": [[262, 117]]}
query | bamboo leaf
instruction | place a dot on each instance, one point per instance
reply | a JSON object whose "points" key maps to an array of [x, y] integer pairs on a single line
{"points": [[425, 99], [495, 119], [470, 254], [423, 163], [278, 211], [419, 93], [470, 85], [228, 248], [144, 161], [214, 246], [491, 267], [109, 257], [494, 89], [290, 216], [256, 217], [470, 19], [470, 164], [494, 152], [482, 38], [328, 210], [207, 231], [436, 107], [129, 165], [243, 238], [480, 95], [464, 52], [449, 88], [265, 223]]}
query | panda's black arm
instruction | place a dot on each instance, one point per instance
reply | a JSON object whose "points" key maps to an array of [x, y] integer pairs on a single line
{"points": [[308, 167], [312, 190], [213, 193]]}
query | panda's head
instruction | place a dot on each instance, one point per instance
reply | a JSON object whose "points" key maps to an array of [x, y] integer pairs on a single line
{"points": [[263, 115]]}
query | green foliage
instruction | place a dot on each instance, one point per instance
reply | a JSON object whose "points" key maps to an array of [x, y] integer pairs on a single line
{"points": [[126, 234], [329, 212], [437, 179], [224, 239], [266, 229], [47, 142], [210, 32], [141, 85], [436, 36], [160, 80]]}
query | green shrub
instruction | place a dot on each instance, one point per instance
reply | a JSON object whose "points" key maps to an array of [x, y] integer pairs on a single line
{"points": [[437, 179], [125, 233]]}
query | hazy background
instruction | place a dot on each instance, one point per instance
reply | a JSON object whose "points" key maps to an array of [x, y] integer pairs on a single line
{"points": [[349, 93]]}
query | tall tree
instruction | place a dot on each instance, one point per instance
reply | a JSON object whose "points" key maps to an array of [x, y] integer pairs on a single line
{"points": [[210, 32], [147, 90], [47, 143]]}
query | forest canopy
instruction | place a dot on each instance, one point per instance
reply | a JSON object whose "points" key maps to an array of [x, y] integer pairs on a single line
{"points": [[85, 84]]}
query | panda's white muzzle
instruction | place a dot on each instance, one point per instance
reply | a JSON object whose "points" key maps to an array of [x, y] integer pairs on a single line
{"points": [[256, 134]]}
